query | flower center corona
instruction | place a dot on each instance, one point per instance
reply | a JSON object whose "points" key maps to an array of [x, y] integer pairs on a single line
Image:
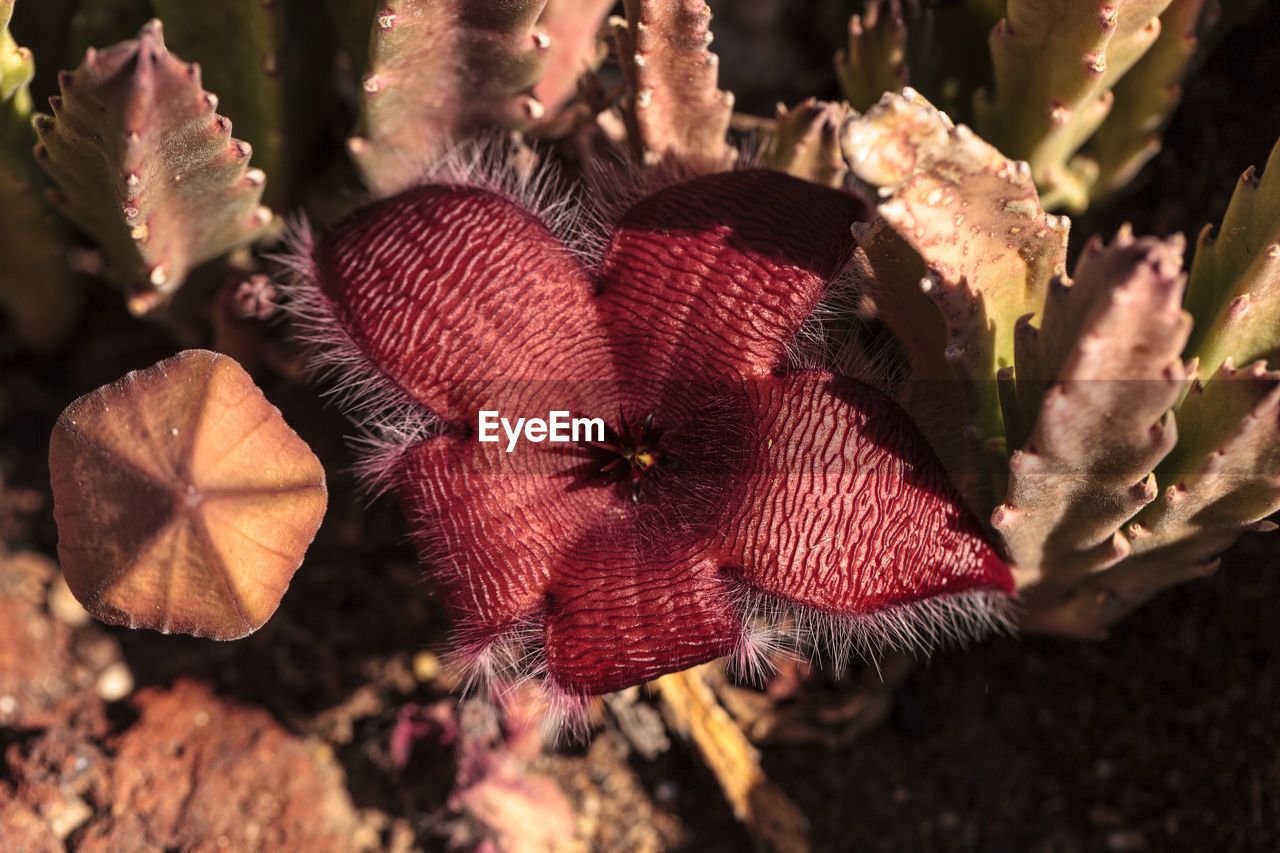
{"points": [[628, 455]]}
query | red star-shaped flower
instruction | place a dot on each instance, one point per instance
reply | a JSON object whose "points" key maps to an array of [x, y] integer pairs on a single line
{"points": [[727, 488]]}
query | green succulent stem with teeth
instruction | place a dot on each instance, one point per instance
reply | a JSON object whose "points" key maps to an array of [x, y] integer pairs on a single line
{"points": [[1136, 449], [144, 164], [439, 72]]}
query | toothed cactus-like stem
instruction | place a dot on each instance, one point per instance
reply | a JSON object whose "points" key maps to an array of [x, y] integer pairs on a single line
{"points": [[1043, 112], [1224, 476], [672, 108], [1100, 375], [1145, 98], [441, 70], [876, 59], [1126, 475], [574, 29], [239, 46], [1222, 480], [988, 253], [144, 163], [1234, 291], [806, 142]]}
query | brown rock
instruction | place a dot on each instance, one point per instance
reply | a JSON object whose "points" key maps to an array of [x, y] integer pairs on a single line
{"points": [[22, 829], [198, 773], [44, 662]]}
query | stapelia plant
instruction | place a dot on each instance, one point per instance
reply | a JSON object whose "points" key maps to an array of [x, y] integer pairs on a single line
{"points": [[732, 493], [144, 162], [1086, 438]]}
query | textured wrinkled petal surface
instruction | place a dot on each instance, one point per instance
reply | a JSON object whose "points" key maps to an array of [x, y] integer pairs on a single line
{"points": [[841, 505], [713, 278], [495, 528], [465, 300]]}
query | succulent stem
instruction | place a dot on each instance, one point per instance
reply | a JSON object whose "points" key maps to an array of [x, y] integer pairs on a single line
{"points": [[144, 163], [1234, 291], [988, 253], [1043, 112], [441, 71], [673, 108]]}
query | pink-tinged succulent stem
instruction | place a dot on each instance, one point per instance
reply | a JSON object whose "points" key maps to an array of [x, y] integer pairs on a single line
{"points": [[806, 142], [1224, 476], [1121, 481], [1145, 98], [144, 163], [1234, 290], [241, 48], [440, 72], [1044, 111], [1096, 381], [573, 28], [1222, 480], [673, 108], [876, 59], [988, 251]]}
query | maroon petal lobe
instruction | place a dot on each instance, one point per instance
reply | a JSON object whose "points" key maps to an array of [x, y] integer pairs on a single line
{"points": [[462, 297], [712, 278], [494, 527], [842, 506], [618, 615]]}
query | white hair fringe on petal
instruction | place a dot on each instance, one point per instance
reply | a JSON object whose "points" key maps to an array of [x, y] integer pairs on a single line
{"points": [[490, 665], [774, 627]]}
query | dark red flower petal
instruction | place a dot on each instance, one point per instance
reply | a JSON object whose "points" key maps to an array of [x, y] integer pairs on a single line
{"points": [[805, 490], [841, 505], [463, 298], [712, 278], [614, 591], [495, 527], [619, 615]]}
